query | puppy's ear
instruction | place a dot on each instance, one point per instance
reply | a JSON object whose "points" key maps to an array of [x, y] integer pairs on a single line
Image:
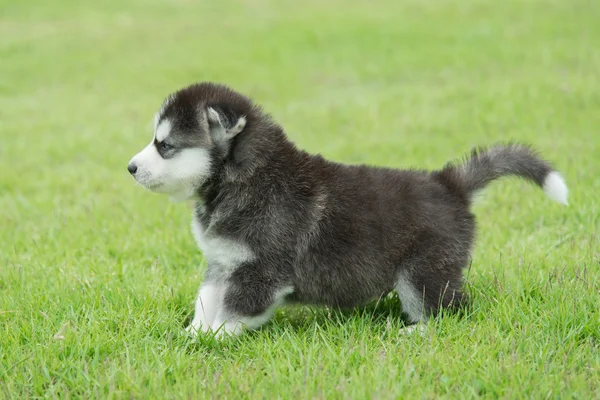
{"points": [[223, 123]]}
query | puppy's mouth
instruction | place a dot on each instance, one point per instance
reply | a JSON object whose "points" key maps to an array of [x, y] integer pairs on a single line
{"points": [[152, 186], [148, 184]]}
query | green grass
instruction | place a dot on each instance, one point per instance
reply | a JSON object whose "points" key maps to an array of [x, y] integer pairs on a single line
{"points": [[114, 269]]}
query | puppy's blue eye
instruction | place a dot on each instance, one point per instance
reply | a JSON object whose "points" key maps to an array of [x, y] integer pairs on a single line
{"points": [[164, 146]]}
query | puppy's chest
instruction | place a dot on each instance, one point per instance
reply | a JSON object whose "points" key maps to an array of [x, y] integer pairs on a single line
{"points": [[223, 254]]}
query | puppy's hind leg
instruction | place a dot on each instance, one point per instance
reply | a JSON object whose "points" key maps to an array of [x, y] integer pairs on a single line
{"points": [[423, 292], [413, 305]]}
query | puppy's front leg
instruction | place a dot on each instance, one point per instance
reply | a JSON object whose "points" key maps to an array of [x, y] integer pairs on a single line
{"points": [[249, 301], [230, 321], [208, 303]]}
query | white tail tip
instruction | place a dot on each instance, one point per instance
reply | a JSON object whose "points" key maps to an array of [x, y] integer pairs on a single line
{"points": [[556, 188]]}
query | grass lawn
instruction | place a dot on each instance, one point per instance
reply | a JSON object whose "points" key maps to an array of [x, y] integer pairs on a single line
{"points": [[98, 277]]}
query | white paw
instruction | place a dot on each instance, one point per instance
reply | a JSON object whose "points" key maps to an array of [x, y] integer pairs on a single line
{"points": [[196, 327], [227, 329], [418, 328], [192, 330]]}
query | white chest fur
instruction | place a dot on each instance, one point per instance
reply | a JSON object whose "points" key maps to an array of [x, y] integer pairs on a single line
{"points": [[223, 255]]}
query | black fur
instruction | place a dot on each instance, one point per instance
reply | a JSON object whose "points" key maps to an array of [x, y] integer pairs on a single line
{"points": [[486, 165], [339, 235]]}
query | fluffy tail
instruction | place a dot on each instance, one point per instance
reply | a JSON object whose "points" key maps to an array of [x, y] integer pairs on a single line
{"points": [[486, 165]]}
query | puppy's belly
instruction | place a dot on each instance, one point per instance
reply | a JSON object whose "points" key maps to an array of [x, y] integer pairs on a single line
{"points": [[341, 300], [340, 290]]}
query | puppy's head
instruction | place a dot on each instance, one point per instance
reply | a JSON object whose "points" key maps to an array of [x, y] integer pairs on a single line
{"points": [[193, 133]]}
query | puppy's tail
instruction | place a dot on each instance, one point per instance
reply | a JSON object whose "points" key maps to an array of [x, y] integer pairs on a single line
{"points": [[485, 165]]}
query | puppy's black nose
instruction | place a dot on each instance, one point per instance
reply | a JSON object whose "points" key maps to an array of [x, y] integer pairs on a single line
{"points": [[132, 168]]}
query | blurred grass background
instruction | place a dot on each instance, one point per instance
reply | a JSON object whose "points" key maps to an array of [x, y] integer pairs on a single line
{"points": [[396, 83]]}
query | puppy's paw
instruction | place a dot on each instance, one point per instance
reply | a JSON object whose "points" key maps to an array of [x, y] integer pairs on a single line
{"points": [[228, 329], [191, 330], [418, 328], [195, 328]]}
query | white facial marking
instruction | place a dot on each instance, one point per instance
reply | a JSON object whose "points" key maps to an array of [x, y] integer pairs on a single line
{"points": [[178, 176], [163, 130], [556, 188]]}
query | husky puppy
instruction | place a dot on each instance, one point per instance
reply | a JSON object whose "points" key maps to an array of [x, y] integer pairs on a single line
{"points": [[278, 225]]}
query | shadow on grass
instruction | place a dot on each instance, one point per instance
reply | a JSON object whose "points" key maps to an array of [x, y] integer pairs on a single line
{"points": [[381, 317]]}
